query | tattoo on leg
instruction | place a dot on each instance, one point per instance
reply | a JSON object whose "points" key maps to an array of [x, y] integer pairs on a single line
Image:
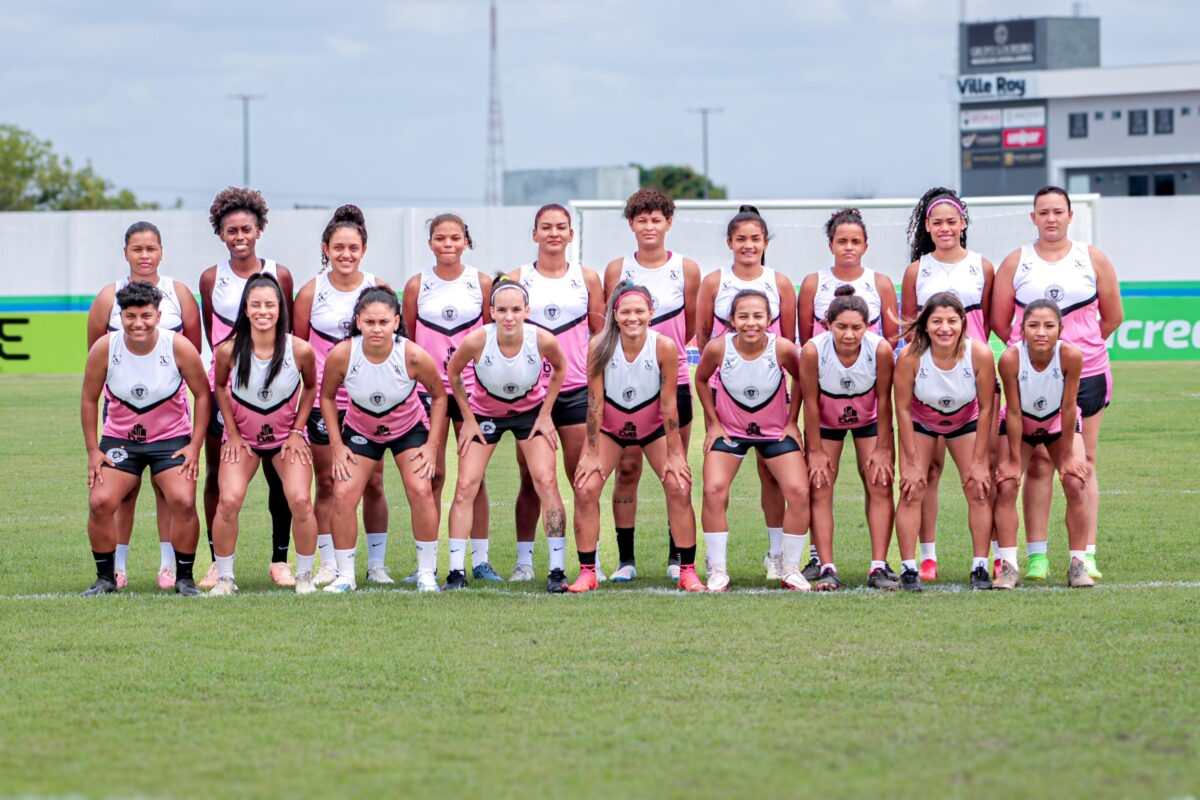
{"points": [[623, 499], [556, 523]]}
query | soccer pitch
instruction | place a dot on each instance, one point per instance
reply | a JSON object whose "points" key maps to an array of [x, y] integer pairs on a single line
{"points": [[634, 690]]}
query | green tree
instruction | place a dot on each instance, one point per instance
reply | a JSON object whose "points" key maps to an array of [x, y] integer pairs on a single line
{"points": [[679, 182], [34, 178]]}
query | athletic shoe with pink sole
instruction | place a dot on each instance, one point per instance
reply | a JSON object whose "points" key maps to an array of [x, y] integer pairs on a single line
{"points": [[210, 578], [929, 570], [586, 582], [689, 581], [166, 579], [123, 580], [281, 574]]}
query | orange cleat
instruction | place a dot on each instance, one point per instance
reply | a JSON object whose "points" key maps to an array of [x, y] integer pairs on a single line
{"points": [[586, 582], [929, 570], [689, 581]]}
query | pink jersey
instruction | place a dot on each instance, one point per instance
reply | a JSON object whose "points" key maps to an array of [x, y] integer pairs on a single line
{"points": [[510, 385], [329, 323], [383, 402], [964, 279], [728, 287], [1071, 283], [265, 415], [751, 395], [666, 285], [864, 286], [446, 312], [848, 396], [146, 395], [632, 406], [945, 400], [560, 305], [1041, 393]]}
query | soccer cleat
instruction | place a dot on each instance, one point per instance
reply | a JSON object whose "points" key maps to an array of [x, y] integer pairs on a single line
{"points": [[880, 579], [625, 573], [484, 572], [1077, 575], [910, 579], [774, 566], [980, 580], [378, 574], [325, 574], [829, 581], [1009, 577], [793, 579], [427, 581], [521, 573], [996, 567], [280, 573], [455, 579], [186, 587], [410, 577], [812, 570], [1037, 568], [891, 573], [586, 582], [929, 570], [210, 578], [718, 580], [689, 581], [305, 584], [122, 580], [342, 585], [1089, 561], [101, 586], [224, 588], [166, 579], [673, 569], [556, 582], [600, 576]]}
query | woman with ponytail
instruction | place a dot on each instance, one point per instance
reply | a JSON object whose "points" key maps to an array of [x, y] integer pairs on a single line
{"points": [[632, 403], [324, 314]]}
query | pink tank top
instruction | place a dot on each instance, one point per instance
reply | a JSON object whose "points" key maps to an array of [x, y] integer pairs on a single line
{"points": [[506, 386], [146, 395], [265, 415], [666, 285], [945, 400], [383, 401], [751, 397], [446, 312], [329, 323], [848, 396], [728, 287], [560, 305], [963, 279], [632, 406]]}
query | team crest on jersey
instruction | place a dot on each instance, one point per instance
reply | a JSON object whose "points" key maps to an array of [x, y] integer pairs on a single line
{"points": [[751, 393], [510, 388], [1041, 404], [487, 427], [553, 313], [1056, 293], [164, 360], [116, 359], [140, 392], [117, 454], [377, 398], [450, 313], [847, 384], [629, 394], [357, 439], [946, 402], [344, 326], [265, 394]]}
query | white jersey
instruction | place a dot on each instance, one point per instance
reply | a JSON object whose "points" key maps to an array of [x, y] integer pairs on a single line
{"points": [[946, 391], [227, 296], [730, 284], [631, 385], [560, 306], [751, 383], [378, 388], [827, 285], [666, 286], [259, 396], [142, 382], [510, 385], [963, 279], [446, 312], [1041, 392], [837, 380], [170, 308], [333, 309]]}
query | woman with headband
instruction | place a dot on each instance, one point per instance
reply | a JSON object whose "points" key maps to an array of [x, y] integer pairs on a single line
{"points": [[511, 394]]}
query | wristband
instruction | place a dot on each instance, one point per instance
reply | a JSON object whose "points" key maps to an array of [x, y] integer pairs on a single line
{"points": [[297, 430]]}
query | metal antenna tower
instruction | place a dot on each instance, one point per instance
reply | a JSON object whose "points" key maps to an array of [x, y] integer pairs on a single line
{"points": [[493, 185]]}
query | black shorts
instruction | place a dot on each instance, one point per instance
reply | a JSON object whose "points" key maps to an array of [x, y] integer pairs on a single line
{"points": [[521, 425], [1038, 439], [452, 409], [767, 448], [641, 442], [360, 445], [318, 434], [683, 396], [1093, 395], [216, 423], [570, 408], [954, 434], [134, 457], [861, 432]]}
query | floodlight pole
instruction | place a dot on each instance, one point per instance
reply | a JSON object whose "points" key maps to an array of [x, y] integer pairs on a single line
{"points": [[704, 111], [245, 100]]}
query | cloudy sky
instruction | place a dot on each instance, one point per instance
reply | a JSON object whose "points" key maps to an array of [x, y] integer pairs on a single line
{"points": [[385, 102]]}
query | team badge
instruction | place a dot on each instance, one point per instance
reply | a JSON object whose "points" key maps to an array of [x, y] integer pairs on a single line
{"points": [[847, 384], [377, 398], [117, 455], [629, 394], [140, 392], [265, 394], [553, 313], [946, 402], [1041, 404], [487, 427], [751, 393], [450, 313], [357, 439], [510, 388], [1056, 293]]}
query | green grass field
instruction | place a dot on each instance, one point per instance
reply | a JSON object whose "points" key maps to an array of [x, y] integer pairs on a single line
{"points": [[629, 691]]}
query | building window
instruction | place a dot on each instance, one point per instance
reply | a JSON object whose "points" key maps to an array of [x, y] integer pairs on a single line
{"points": [[1077, 123], [1139, 185], [1164, 183], [1099, 116], [1186, 111], [1164, 121], [1116, 114], [1139, 124]]}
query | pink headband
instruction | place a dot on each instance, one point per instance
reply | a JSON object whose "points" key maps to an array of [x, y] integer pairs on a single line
{"points": [[941, 200], [624, 292]]}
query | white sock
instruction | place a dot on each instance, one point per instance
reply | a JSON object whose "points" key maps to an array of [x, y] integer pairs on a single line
{"points": [[325, 547], [1078, 554], [1035, 547], [1090, 550], [794, 546], [525, 554], [479, 551], [1008, 554], [979, 561], [345, 563], [775, 537], [830, 567], [376, 549], [305, 563], [122, 553], [929, 551], [876, 565], [557, 545], [812, 551], [225, 566], [458, 554], [909, 564], [166, 556], [714, 547], [427, 556]]}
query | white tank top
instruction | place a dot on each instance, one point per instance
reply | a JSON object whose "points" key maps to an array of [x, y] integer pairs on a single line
{"points": [[560, 305], [751, 383], [840, 381], [948, 390], [963, 279], [1041, 392], [730, 284], [505, 378], [378, 388], [333, 309], [227, 294], [142, 382], [864, 287], [450, 306], [666, 286], [629, 385], [171, 310], [256, 394]]}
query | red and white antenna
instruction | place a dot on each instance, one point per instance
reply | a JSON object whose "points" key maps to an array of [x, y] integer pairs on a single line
{"points": [[493, 183]]}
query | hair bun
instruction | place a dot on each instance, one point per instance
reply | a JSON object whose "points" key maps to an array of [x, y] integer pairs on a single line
{"points": [[349, 213], [746, 208], [845, 290]]}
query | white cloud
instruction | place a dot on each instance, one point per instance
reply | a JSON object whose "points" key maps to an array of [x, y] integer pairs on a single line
{"points": [[347, 46]]}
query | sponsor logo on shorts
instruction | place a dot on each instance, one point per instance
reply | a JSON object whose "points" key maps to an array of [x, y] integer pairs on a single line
{"points": [[117, 454], [321, 425], [487, 427], [265, 435], [357, 439]]}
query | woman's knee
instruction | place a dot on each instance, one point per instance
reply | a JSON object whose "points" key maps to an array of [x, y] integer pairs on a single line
{"points": [[629, 470], [1074, 489], [1006, 493], [230, 504]]}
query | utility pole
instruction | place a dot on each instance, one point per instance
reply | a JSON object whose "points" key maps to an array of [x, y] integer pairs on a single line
{"points": [[704, 111], [494, 179], [245, 100]]}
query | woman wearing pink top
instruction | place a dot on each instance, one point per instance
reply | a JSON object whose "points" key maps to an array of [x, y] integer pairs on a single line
{"points": [[1081, 281], [144, 374], [266, 380], [741, 381]]}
